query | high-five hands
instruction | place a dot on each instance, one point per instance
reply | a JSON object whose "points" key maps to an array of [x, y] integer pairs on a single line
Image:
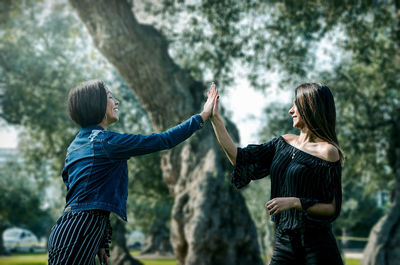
{"points": [[215, 111], [212, 96]]}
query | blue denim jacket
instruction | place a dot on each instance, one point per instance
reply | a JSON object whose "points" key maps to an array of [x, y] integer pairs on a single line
{"points": [[96, 170]]}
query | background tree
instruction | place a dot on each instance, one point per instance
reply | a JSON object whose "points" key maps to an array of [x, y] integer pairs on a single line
{"points": [[151, 203], [20, 203]]}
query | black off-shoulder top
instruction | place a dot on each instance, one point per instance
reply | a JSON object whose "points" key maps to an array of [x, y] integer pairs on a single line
{"points": [[294, 173]]}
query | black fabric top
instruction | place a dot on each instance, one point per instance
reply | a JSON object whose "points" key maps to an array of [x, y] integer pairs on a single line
{"points": [[294, 173]]}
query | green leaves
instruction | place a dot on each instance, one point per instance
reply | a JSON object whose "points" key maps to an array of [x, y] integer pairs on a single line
{"points": [[20, 203]]}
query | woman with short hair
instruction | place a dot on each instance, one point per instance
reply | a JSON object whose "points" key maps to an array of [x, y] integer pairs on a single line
{"points": [[96, 172], [305, 172]]}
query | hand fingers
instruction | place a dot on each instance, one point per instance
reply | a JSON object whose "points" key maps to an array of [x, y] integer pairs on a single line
{"points": [[103, 259], [213, 94], [269, 203], [213, 90], [274, 210], [215, 101], [213, 87]]}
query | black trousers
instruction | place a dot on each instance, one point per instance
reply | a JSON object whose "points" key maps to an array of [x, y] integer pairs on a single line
{"points": [[306, 246], [77, 237]]}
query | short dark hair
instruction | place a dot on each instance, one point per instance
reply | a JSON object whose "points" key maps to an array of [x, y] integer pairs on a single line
{"points": [[87, 103]]}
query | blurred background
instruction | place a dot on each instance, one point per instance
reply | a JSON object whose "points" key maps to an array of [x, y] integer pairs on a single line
{"points": [[257, 52]]}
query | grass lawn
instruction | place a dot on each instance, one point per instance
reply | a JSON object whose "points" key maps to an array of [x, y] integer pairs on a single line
{"points": [[41, 259], [352, 261]]}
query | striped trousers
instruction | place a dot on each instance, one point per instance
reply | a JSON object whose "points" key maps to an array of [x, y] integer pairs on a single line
{"points": [[77, 237]]}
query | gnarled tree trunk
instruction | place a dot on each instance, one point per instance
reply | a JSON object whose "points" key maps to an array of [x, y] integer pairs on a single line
{"points": [[120, 254], [210, 222], [159, 240], [384, 241]]}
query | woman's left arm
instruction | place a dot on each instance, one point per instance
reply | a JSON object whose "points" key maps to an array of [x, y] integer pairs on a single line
{"points": [[280, 204]]}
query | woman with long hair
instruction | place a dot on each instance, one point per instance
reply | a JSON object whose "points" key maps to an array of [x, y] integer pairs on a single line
{"points": [[305, 172], [96, 172]]}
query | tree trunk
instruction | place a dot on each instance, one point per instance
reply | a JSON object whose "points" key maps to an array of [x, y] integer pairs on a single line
{"points": [[383, 246], [158, 240], [210, 222], [2, 248], [120, 254]]}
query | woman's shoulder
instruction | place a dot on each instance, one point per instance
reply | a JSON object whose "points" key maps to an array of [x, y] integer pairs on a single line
{"points": [[328, 152], [320, 149], [289, 138]]}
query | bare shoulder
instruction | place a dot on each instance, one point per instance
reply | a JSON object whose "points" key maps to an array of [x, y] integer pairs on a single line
{"points": [[328, 152], [289, 138]]}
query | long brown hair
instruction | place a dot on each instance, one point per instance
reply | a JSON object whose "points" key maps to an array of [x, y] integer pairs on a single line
{"points": [[316, 107]]}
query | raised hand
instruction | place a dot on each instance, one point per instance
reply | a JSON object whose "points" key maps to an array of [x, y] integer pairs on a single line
{"points": [[209, 105], [215, 111], [221, 133]]}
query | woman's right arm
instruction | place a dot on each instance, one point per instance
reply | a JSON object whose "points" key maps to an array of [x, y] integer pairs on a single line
{"points": [[124, 146], [221, 133]]}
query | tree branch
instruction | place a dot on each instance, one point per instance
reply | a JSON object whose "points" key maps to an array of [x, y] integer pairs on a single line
{"points": [[140, 54]]}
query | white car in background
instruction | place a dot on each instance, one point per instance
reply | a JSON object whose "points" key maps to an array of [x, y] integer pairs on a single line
{"points": [[135, 240], [20, 240]]}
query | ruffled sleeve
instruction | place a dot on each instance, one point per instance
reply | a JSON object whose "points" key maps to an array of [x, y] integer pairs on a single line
{"points": [[253, 162], [332, 188]]}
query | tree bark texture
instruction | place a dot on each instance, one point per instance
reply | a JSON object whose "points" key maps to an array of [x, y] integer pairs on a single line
{"points": [[210, 222], [158, 242], [2, 248], [384, 240], [120, 253]]}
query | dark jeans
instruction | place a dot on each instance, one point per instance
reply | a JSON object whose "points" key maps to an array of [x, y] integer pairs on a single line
{"points": [[306, 246]]}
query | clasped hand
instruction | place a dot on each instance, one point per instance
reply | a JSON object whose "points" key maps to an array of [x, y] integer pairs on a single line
{"points": [[102, 256], [280, 204]]}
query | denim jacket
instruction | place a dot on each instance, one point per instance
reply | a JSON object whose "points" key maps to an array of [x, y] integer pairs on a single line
{"points": [[96, 170]]}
